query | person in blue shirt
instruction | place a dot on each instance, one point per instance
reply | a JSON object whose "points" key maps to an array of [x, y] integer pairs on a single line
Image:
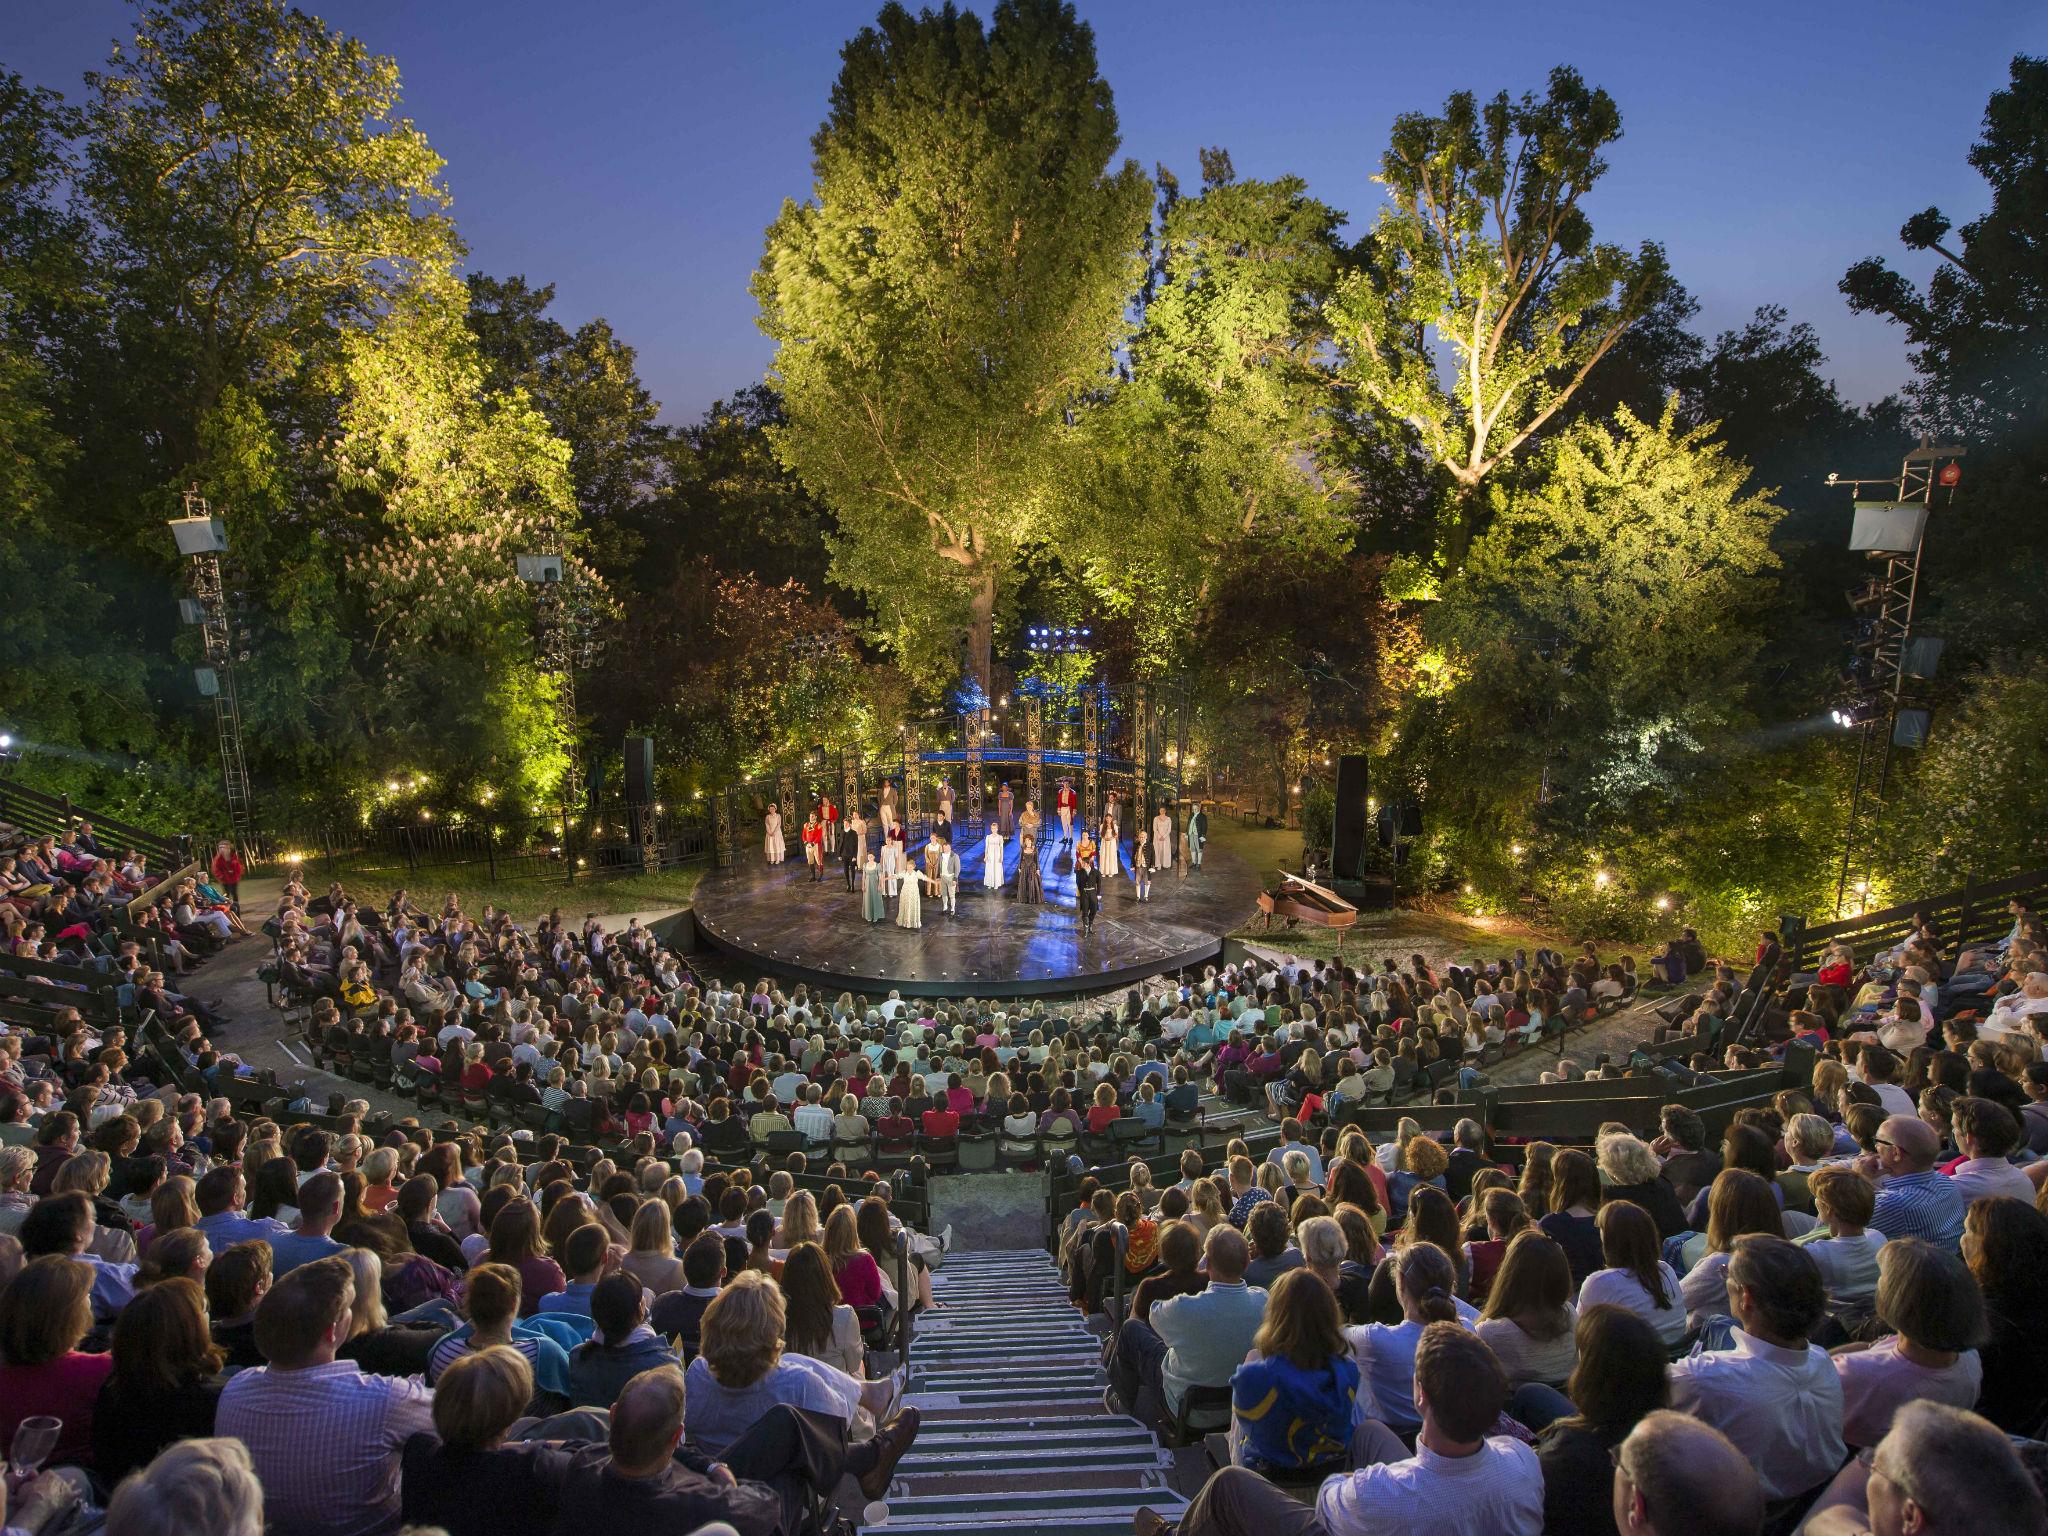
{"points": [[583, 1253], [623, 1347], [319, 1210], [1292, 1407]]}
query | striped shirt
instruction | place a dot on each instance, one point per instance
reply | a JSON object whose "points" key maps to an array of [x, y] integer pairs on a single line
{"points": [[1922, 1204]]}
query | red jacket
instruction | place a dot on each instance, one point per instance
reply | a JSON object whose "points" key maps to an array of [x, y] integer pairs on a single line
{"points": [[227, 869]]}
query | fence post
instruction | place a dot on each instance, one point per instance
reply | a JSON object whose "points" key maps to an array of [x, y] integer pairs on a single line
{"points": [[412, 866], [568, 852], [1963, 917], [491, 850]]}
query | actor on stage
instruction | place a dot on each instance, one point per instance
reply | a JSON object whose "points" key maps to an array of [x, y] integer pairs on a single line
{"points": [[1113, 814], [1030, 883], [1087, 889], [1065, 803], [772, 843], [946, 801], [874, 906], [1106, 847], [1029, 822], [849, 848], [828, 813], [992, 871], [1162, 838], [888, 807], [1006, 809], [931, 867], [1141, 863], [858, 825], [899, 847], [814, 846], [949, 876], [942, 829], [1198, 833], [909, 899]]}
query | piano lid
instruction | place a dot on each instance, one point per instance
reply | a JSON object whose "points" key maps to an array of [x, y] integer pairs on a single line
{"points": [[1324, 892]]}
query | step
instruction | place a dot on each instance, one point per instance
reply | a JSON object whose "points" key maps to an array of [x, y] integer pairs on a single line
{"points": [[1052, 1508], [1099, 1431], [1079, 1396], [994, 1456]]}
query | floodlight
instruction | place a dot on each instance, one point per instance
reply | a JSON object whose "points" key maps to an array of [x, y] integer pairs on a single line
{"points": [[1888, 527], [208, 681], [540, 568], [191, 610], [199, 535]]}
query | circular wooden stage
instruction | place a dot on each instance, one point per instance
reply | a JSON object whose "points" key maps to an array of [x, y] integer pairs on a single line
{"points": [[778, 921]]}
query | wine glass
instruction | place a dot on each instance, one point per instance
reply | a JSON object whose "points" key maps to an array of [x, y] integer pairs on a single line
{"points": [[34, 1438]]}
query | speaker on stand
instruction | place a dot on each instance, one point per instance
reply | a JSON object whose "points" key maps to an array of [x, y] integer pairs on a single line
{"points": [[1347, 836]]}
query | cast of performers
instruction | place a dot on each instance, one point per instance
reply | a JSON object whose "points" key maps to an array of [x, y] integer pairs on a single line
{"points": [[992, 859], [1141, 864], [1106, 847], [1065, 803], [849, 848], [1029, 823], [897, 854], [909, 899], [1030, 882], [1197, 834], [874, 905], [1162, 838], [949, 876], [1087, 888], [814, 846], [857, 824], [772, 843], [942, 829], [888, 807], [931, 867], [1006, 809]]}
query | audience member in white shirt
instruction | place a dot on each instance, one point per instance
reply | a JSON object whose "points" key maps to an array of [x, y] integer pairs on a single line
{"points": [[1674, 1473], [1635, 1277], [1987, 1134], [1843, 1245], [1774, 1394]]}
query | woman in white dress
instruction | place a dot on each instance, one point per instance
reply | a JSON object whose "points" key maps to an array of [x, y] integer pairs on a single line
{"points": [[1108, 846], [992, 859], [892, 864], [909, 899], [772, 844]]}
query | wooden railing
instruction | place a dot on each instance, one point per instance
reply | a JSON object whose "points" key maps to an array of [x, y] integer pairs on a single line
{"points": [[48, 815], [1974, 913]]}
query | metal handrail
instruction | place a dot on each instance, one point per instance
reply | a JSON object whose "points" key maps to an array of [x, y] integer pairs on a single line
{"points": [[904, 1296]]}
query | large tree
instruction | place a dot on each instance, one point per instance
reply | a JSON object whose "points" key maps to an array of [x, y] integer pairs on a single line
{"points": [[1483, 301], [957, 280]]}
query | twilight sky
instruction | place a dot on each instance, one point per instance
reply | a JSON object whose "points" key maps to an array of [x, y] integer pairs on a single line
{"points": [[633, 151]]}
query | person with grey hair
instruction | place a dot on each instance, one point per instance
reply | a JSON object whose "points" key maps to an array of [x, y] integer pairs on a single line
{"points": [[1468, 1157], [1940, 1469], [1675, 1476], [193, 1485]]}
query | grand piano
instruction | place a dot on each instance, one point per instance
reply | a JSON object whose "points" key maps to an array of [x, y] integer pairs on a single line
{"points": [[1303, 901]]}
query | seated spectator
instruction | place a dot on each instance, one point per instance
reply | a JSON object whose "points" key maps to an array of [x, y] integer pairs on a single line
{"points": [[1740, 1204], [166, 1382], [1292, 1405], [45, 1313], [1938, 1470], [1842, 1243], [194, 1485], [585, 1253], [1931, 1301], [1777, 1396], [465, 1478], [1635, 1277], [1572, 1219], [320, 1199], [679, 1315], [1504, 1216], [818, 1322], [1272, 1253], [1986, 1134], [62, 1225], [1676, 1475], [1459, 1479], [1913, 1198], [1195, 1340], [1629, 1171], [742, 1373], [283, 1410], [1424, 1281], [490, 1311], [1689, 1163], [1529, 1319], [236, 1282], [2005, 1245], [1179, 1274], [622, 1347], [1423, 1162], [1619, 1378]]}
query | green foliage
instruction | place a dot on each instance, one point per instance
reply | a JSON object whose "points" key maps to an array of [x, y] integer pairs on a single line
{"points": [[1485, 259], [955, 284], [1972, 805]]}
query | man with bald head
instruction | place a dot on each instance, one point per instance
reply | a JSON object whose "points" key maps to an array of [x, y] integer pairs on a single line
{"points": [[1913, 1198], [1675, 1476]]}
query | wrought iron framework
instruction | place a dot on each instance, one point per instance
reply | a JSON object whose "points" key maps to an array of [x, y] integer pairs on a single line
{"points": [[219, 643]]}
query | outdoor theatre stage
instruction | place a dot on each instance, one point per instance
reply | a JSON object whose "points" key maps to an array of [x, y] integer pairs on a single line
{"points": [[779, 920]]}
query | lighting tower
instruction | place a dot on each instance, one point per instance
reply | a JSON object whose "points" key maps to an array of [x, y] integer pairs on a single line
{"points": [[1888, 658], [202, 539]]}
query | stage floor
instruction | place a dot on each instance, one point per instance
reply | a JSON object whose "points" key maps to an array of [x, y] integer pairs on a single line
{"points": [[780, 921]]}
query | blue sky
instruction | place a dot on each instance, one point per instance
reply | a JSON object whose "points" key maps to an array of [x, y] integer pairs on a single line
{"points": [[632, 153]]}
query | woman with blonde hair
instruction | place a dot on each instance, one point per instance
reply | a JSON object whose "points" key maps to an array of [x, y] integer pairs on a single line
{"points": [[652, 1258], [1141, 1184], [742, 1373], [1630, 1171], [799, 1221], [1388, 1154], [379, 1169], [87, 1173]]}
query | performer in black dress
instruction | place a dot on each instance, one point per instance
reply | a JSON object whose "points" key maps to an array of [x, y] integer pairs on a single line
{"points": [[1087, 890], [1030, 882]]}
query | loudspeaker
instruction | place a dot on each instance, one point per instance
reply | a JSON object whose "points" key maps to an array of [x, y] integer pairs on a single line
{"points": [[1347, 836], [640, 770], [1399, 818]]}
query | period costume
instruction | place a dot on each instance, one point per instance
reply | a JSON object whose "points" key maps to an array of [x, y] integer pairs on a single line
{"points": [[1198, 834], [1030, 884], [1065, 803], [1087, 891], [909, 900], [1006, 809], [946, 800], [814, 847], [874, 906], [1029, 822], [772, 843], [849, 849], [1162, 840], [949, 878], [992, 860], [888, 808], [1113, 812], [1141, 865], [1107, 846]]}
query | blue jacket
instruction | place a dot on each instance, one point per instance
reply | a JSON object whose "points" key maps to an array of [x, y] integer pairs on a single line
{"points": [[1293, 1418]]}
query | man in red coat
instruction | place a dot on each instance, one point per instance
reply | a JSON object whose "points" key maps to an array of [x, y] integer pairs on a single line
{"points": [[1066, 803]]}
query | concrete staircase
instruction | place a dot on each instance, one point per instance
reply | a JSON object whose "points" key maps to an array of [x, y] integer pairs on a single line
{"points": [[1015, 1436]]}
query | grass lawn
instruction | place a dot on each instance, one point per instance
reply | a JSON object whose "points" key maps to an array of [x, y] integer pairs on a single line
{"points": [[602, 894]]}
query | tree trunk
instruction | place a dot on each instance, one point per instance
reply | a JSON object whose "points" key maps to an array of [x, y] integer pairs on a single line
{"points": [[981, 634], [1461, 524]]}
